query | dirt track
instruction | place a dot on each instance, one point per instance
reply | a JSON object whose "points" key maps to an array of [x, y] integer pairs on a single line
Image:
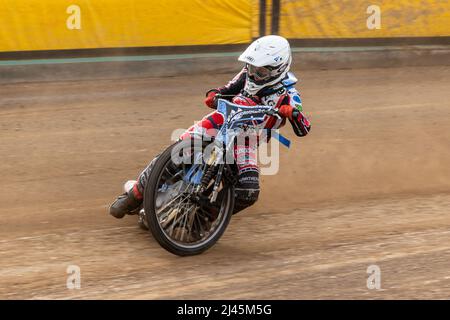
{"points": [[370, 185]]}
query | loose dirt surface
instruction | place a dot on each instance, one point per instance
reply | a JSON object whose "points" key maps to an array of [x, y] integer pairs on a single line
{"points": [[369, 186]]}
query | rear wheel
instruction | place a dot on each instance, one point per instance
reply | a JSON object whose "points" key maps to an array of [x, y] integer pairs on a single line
{"points": [[183, 221]]}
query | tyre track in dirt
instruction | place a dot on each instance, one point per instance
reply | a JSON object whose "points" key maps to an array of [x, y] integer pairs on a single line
{"points": [[370, 185]]}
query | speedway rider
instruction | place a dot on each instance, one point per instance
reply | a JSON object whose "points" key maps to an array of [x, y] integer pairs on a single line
{"points": [[264, 80]]}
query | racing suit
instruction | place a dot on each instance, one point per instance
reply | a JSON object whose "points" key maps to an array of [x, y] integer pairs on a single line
{"points": [[279, 95]]}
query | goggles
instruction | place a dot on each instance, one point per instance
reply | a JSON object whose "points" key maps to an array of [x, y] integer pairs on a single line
{"points": [[259, 73]]}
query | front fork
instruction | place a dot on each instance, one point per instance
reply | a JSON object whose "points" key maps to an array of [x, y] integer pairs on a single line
{"points": [[217, 183], [208, 174]]}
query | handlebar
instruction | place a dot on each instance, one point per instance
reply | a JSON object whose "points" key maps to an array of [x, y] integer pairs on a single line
{"points": [[220, 95], [271, 112]]}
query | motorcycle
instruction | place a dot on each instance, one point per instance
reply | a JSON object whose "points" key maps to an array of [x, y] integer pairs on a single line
{"points": [[189, 196]]}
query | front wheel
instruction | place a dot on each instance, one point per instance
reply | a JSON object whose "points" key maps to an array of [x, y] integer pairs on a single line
{"points": [[182, 220]]}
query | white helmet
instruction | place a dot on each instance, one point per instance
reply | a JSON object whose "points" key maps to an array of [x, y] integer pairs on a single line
{"points": [[268, 60]]}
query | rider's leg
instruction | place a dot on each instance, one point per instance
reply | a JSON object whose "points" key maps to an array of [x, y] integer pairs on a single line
{"points": [[208, 126], [128, 202], [247, 187]]}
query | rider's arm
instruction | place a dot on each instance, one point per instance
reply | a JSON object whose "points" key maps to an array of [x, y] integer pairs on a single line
{"points": [[292, 108], [232, 88]]}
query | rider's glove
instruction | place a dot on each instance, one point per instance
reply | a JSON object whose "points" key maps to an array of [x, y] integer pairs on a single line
{"points": [[299, 122], [210, 100]]}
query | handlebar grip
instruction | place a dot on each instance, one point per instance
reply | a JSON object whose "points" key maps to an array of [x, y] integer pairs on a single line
{"points": [[217, 96]]}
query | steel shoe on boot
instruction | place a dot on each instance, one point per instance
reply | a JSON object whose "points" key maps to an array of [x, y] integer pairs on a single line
{"points": [[124, 204]]}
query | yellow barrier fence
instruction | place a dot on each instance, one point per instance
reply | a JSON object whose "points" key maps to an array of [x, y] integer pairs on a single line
{"points": [[364, 18], [74, 24], [27, 25]]}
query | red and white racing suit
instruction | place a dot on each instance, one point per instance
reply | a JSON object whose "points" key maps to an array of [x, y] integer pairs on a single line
{"points": [[281, 94]]}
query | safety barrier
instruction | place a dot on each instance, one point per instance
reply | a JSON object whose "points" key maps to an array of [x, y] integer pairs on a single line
{"points": [[29, 25]]}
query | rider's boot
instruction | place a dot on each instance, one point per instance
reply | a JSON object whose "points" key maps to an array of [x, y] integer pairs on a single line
{"points": [[127, 203], [245, 197]]}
